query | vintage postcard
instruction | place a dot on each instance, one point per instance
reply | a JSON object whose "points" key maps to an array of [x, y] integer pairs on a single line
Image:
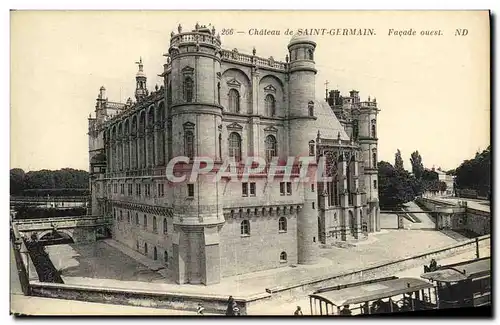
{"points": [[238, 163]]}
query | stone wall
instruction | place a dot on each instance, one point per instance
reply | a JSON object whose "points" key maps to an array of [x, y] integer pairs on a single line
{"points": [[140, 298]]}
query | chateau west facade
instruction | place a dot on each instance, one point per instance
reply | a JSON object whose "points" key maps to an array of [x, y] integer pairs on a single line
{"points": [[221, 103]]}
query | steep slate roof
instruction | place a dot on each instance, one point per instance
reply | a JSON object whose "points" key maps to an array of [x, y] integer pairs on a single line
{"points": [[327, 122]]}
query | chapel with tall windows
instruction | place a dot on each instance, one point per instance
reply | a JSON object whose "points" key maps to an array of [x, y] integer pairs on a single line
{"points": [[223, 104]]}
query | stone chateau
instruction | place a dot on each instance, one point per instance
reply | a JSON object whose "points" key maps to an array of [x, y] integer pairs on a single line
{"points": [[222, 103]]}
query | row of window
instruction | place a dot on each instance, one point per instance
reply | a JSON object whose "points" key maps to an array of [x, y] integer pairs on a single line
{"points": [[147, 189], [155, 252], [355, 129], [119, 217], [245, 226], [234, 149]]}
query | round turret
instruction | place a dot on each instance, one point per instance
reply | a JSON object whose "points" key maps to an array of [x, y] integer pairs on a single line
{"points": [[301, 39]]}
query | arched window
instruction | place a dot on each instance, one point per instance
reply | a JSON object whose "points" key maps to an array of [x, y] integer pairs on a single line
{"points": [[235, 146], [165, 257], [145, 221], [146, 248], [128, 216], [165, 226], [220, 146], [310, 108], [282, 224], [374, 131], [155, 254], [271, 147], [245, 227], [155, 226], [188, 89], [270, 105], [374, 160], [234, 101], [121, 215], [311, 148], [189, 144], [310, 54], [136, 218], [283, 257]]}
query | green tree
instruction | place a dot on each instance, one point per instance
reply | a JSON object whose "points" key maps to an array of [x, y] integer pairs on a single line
{"points": [[398, 161]]}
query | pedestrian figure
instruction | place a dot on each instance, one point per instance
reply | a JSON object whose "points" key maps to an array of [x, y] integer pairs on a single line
{"points": [[345, 310], [200, 309], [229, 310], [298, 312]]}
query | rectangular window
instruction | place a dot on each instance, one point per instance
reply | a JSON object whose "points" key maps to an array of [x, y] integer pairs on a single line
{"points": [[313, 206], [312, 187], [161, 190], [115, 188], [288, 188], [190, 190], [244, 189], [375, 184], [252, 189], [282, 188]]}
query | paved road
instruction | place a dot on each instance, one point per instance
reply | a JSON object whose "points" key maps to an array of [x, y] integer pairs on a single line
{"points": [[426, 221]]}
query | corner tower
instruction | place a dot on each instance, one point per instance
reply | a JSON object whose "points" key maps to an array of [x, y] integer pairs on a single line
{"points": [[196, 116], [368, 141], [302, 78]]}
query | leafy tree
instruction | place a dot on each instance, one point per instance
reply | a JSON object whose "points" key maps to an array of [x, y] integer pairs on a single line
{"points": [[442, 186], [398, 163], [475, 174], [17, 181], [396, 187], [417, 167], [67, 179]]}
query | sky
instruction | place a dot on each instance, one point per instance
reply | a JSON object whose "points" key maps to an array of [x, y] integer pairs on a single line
{"points": [[433, 91]]}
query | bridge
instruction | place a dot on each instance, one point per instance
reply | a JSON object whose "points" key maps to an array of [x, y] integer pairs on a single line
{"points": [[50, 201], [80, 229]]}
